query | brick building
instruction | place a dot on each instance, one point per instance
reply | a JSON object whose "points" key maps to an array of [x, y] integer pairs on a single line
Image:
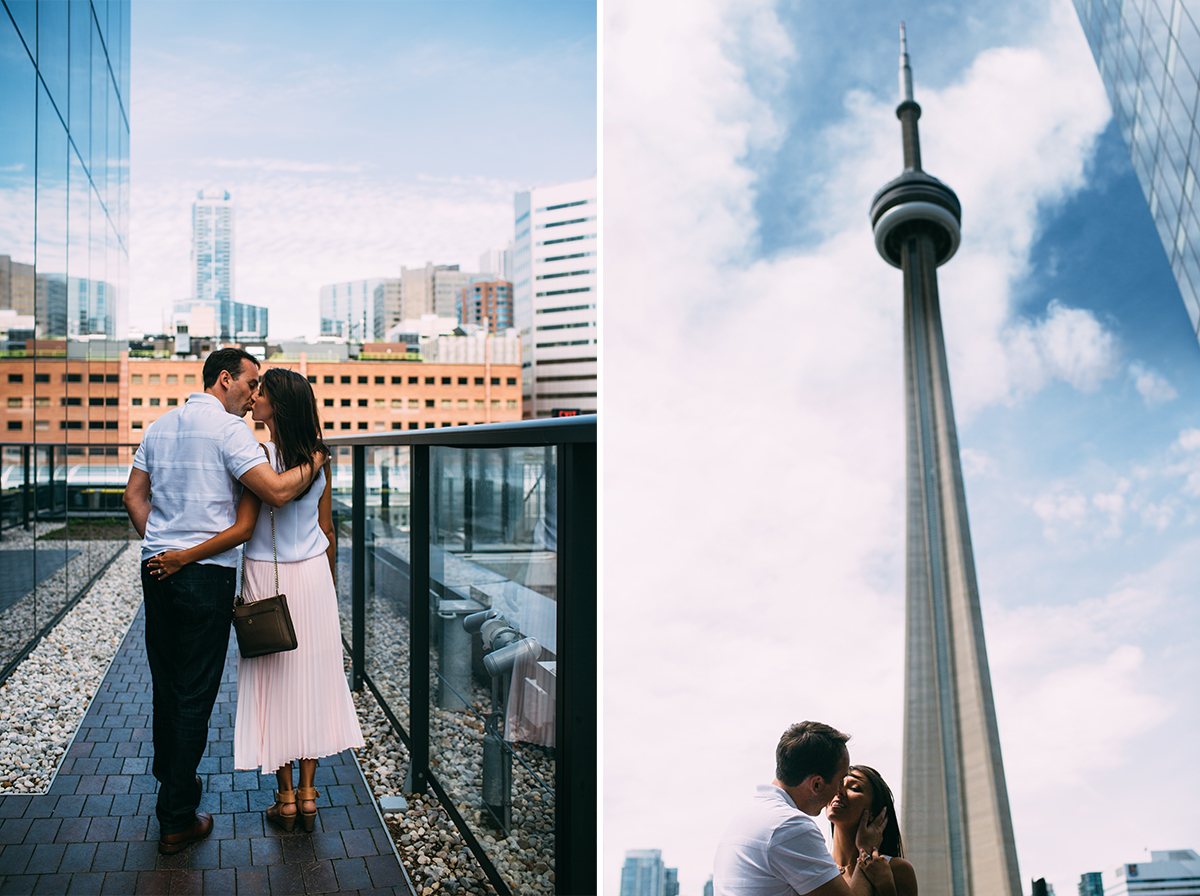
{"points": [[53, 399]]}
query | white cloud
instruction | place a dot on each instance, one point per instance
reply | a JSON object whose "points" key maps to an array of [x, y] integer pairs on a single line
{"points": [[283, 165], [1087, 688], [976, 462], [1189, 439], [1060, 506], [1069, 344], [1153, 388], [1101, 502]]}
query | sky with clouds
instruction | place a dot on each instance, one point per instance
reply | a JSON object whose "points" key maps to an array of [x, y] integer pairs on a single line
{"points": [[354, 137], [753, 419]]}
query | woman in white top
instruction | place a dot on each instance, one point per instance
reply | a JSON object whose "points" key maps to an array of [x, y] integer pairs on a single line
{"points": [[296, 704], [864, 790]]}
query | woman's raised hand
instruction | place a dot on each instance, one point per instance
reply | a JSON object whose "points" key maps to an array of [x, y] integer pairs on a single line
{"points": [[870, 831], [877, 870]]}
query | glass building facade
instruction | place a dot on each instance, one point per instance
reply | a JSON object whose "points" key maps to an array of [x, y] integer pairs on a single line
{"points": [[1148, 53], [356, 310], [64, 267], [643, 873]]}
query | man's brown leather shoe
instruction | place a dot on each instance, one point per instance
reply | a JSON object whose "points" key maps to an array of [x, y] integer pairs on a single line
{"points": [[169, 844]]}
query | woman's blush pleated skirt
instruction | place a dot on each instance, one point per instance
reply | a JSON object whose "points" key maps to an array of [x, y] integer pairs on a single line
{"points": [[295, 705]]}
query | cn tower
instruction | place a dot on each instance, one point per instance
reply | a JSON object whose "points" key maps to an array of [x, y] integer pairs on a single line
{"points": [[955, 816]]}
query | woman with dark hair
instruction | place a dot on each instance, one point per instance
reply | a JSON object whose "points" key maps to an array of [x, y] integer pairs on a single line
{"points": [[864, 790], [296, 704]]}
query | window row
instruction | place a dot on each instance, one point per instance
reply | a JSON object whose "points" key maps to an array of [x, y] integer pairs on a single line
{"points": [[67, 378], [412, 380], [400, 403], [41, 425], [43, 401], [135, 379], [329, 424], [397, 424]]}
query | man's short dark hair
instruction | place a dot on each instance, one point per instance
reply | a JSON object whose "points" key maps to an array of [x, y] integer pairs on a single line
{"points": [[225, 359], [809, 748]]}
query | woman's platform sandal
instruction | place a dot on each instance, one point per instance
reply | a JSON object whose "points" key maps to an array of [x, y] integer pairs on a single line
{"points": [[308, 818], [275, 813]]}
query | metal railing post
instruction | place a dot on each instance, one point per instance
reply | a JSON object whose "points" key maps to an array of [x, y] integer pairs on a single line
{"points": [[358, 558], [575, 864], [418, 614], [26, 493]]}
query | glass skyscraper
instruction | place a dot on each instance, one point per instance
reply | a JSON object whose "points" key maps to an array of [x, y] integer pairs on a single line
{"points": [[643, 873], [357, 310], [1148, 53], [64, 273], [213, 268]]}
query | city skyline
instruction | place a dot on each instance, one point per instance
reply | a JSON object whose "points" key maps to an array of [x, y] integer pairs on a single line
{"points": [[311, 129], [743, 144]]}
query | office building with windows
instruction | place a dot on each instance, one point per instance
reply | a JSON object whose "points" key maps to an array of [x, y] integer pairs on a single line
{"points": [[433, 289], [1170, 871], [64, 273], [213, 270], [555, 261], [357, 310], [1091, 884], [487, 303], [1148, 53]]}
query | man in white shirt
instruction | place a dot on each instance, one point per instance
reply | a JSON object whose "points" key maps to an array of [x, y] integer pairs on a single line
{"points": [[184, 487], [774, 848]]}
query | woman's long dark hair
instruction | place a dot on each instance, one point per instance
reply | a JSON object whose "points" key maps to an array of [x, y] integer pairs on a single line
{"points": [[881, 798], [297, 423]]}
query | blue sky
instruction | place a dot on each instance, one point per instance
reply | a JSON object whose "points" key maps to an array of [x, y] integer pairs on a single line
{"points": [[753, 337], [354, 137]]}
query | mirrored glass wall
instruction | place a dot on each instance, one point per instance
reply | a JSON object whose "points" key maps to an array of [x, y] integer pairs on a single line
{"points": [[64, 222]]}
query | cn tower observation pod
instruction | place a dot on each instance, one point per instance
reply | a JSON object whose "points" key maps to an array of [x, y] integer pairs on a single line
{"points": [[915, 202]]}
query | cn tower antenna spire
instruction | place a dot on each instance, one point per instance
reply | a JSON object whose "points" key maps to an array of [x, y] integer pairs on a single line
{"points": [[906, 95]]}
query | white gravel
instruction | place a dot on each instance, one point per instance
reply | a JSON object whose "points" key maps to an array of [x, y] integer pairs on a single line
{"points": [[45, 698]]}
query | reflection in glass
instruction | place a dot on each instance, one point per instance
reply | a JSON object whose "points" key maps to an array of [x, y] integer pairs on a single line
{"points": [[52, 51], [80, 75], [389, 585], [62, 277], [493, 648], [98, 167]]}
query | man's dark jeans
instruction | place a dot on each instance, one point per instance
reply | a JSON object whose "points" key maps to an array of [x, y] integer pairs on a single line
{"points": [[188, 616]]}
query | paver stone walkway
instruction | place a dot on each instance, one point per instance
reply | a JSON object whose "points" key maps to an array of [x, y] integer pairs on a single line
{"points": [[95, 831]]}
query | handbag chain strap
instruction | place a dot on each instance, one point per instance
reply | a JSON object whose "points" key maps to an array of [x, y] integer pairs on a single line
{"points": [[241, 599], [274, 555]]}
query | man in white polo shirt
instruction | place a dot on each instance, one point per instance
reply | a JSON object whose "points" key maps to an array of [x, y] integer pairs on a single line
{"points": [[774, 848], [184, 487]]}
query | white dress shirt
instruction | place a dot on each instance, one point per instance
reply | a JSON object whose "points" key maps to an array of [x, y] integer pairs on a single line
{"points": [[772, 849]]}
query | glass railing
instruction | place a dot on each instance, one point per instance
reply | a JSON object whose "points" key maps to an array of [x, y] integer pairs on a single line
{"points": [[467, 589], [61, 524]]}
